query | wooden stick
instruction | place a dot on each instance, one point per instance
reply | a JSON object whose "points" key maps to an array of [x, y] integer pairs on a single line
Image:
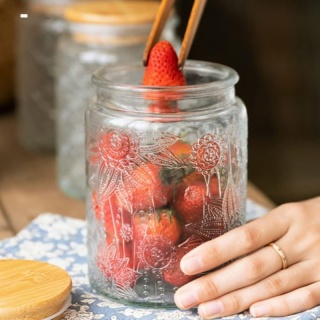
{"points": [[196, 14], [160, 20]]}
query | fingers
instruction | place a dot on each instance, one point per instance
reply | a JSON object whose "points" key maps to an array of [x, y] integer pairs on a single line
{"points": [[255, 279], [239, 274], [296, 301], [235, 243], [277, 284]]}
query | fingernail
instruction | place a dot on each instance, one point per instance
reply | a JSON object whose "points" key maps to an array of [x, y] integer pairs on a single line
{"points": [[211, 308], [191, 265], [259, 310], [185, 300]]}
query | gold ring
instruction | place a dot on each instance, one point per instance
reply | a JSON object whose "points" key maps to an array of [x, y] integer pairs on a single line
{"points": [[280, 253]]}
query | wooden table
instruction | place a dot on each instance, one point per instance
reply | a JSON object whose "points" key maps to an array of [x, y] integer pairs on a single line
{"points": [[28, 185]]}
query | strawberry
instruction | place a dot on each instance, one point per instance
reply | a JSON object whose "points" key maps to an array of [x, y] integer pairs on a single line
{"points": [[146, 189], [162, 68], [155, 234], [173, 274], [115, 262], [116, 219], [163, 106], [118, 226], [160, 222], [190, 196], [181, 149]]}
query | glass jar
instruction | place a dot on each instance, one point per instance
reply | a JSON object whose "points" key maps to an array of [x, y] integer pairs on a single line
{"points": [[160, 184], [96, 37], [37, 38]]}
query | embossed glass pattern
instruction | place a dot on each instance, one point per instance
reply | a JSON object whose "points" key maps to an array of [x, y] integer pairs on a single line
{"points": [[160, 184]]}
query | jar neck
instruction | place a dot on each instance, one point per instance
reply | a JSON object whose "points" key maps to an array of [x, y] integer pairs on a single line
{"points": [[109, 34], [209, 87], [187, 103]]}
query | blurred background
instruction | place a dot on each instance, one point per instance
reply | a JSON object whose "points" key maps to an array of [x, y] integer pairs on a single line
{"points": [[275, 47]]}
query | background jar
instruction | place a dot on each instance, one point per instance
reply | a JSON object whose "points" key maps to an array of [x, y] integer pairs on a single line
{"points": [[37, 39], [98, 34], [159, 184]]}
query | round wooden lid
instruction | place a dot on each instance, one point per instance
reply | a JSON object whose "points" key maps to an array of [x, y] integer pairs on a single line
{"points": [[32, 289], [112, 12]]}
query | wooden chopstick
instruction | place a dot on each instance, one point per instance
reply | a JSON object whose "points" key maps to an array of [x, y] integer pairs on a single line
{"points": [[159, 23], [193, 23]]}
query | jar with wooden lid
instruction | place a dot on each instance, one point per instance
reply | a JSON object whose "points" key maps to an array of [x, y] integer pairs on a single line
{"points": [[99, 34], [37, 39]]}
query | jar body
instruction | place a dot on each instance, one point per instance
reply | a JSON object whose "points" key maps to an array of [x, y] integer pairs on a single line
{"points": [[38, 36], [158, 186]]}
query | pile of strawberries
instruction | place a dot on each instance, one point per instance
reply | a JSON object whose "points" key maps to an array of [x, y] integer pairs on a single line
{"points": [[155, 237]]}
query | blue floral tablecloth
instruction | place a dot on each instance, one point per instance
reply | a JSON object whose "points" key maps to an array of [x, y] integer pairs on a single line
{"points": [[61, 241]]}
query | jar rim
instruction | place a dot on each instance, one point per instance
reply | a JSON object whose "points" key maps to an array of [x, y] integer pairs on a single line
{"points": [[225, 77]]}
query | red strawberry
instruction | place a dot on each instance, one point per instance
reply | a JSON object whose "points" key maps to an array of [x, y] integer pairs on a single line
{"points": [[163, 106], [118, 226], [146, 189], [155, 235], [160, 222], [181, 149], [115, 262], [173, 274], [162, 68], [116, 219], [190, 196]]}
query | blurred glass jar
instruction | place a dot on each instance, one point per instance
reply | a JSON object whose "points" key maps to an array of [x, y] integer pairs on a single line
{"points": [[37, 39], [99, 34], [160, 184]]}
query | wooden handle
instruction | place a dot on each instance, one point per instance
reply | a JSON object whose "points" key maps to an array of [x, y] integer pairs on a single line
{"points": [[194, 20], [159, 23], [161, 18]]}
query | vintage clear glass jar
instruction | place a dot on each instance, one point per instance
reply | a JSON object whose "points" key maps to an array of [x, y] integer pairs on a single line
{"points": [[160, 184], [37, 39], [96, 37]]}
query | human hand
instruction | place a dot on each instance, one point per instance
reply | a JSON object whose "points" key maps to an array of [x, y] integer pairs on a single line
{"points": [[257, 281]]}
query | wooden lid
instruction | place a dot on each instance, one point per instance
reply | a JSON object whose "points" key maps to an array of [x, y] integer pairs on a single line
{"points": [[112, 12], [31, 289]]}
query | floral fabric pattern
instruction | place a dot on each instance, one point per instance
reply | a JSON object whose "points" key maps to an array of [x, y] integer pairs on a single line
{"points": [[60, 240]]}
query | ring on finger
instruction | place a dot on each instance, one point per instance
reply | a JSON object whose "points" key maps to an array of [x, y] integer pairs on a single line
{"points": [[281, 254]]}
